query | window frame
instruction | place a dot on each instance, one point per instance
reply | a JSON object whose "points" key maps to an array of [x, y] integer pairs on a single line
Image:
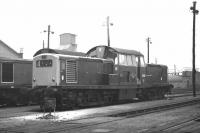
{"points": [[134, 58], [2, 72], [142, 62], [124, 63]]}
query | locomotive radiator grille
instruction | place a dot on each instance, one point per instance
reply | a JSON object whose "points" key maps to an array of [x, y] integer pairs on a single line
{"points": [[71, 71]]}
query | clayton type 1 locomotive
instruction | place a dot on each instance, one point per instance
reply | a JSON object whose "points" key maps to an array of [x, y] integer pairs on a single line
{"points": [[103, 75]]}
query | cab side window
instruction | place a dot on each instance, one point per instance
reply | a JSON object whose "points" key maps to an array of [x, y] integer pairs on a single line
{"points": [[133, 58], [128, 60], [142, 64], [122, 59], [116, 60]]}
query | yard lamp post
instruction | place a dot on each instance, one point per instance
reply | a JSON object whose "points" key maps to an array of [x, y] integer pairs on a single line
{"points": [[108, 30], [148, 42], [195, 12], [48, 37]]}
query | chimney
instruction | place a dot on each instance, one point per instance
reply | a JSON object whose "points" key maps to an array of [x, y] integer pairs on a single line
{"points": [[68, 42], [21, 53]]}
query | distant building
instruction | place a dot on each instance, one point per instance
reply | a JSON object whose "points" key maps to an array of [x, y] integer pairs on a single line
{"points": [[8, 52], [184, 79], [68, 42]]}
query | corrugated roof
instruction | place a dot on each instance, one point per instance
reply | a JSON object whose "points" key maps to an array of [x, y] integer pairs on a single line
{"points": [[57, 51], [126, 51]]}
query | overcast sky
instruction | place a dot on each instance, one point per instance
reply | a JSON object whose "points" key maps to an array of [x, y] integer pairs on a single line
{"points": [[167, 22]]}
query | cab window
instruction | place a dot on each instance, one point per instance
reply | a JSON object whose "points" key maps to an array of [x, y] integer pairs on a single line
{"points": [[142, 61], [122, 59], [100, 52], [93, 54], [137, 60], [129, 60], [134, 60], [116, 60]]}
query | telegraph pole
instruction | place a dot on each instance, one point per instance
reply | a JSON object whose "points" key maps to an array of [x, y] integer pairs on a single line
{"points": [[195, 12], [174, 69], [43, 44], [108, 30], [148, 42], [48, 37]]}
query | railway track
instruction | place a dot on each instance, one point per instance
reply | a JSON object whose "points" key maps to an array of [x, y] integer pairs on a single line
{"points": [[23, 111], [88, 122], [186, 125], [123, 115]]}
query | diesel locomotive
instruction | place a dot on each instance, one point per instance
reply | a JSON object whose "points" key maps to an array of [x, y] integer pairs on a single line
{"points": [[102, 76]]}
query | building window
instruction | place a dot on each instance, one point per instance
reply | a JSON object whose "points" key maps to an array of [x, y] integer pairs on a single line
{"points": [[7, 72]]}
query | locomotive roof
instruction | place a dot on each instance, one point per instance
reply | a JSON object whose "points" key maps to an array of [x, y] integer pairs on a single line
{"points": [[62, 56], [118, 50], [57, 51]]}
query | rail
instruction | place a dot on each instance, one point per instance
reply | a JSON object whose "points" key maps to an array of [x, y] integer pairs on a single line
{"points": [[174, 125], [72, 125], [77, 124]]}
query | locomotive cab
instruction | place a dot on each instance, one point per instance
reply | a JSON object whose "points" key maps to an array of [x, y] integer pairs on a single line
{"points": [[128, 68], [147, 81]]}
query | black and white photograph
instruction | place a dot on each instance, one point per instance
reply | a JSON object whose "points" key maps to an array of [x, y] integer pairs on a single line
{"points": [[100, 66]]}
